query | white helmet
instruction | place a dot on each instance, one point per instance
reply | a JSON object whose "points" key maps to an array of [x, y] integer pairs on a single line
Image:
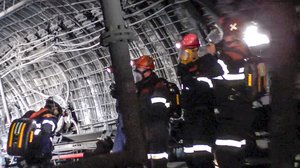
{"points": [[56, 101], [59, 100]]}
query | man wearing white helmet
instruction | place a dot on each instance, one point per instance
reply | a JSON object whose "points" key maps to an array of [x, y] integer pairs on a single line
{"points": [[46, 121]]}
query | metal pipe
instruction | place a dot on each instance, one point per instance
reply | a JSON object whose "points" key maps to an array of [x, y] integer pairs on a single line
{"points": [[13, 8], [4, 102], [68, 156], [117, 37]]}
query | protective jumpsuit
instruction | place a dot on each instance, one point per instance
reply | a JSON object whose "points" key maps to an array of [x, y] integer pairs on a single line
{"points": [[198, 105], [42, 147], [154, 100], [242, 103]]}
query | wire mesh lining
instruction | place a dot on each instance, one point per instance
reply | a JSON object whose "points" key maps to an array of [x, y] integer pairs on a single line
{"points": [[67, 33]]}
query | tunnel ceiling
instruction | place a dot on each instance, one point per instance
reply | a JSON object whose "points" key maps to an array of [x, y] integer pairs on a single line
{"points": [[53, 47]]}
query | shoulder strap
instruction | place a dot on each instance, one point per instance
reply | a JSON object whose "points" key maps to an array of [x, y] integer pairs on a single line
{"points": [[161, 82], [38, 113], [236, 52], [48, 115]]}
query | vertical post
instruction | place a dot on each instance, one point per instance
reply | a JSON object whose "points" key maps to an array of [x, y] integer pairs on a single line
{"points": [[4, 102], [116, 38], [282, 56]]}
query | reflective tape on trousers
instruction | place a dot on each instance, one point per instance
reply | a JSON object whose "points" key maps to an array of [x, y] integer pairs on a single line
{"points": [[197, 148], [206, 148], [157, 155], [230, 142]]}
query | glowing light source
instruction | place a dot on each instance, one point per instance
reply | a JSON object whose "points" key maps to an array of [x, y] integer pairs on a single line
{"points": [[253, 38], [108, 70], [178, 45], [131, 63]]}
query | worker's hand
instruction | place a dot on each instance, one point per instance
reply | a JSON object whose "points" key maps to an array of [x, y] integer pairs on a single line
{"points": [[211, 49]]}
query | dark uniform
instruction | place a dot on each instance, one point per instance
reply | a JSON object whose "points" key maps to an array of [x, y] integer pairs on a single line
{"points": [[243, 103], [198, 104], [154, 96], [45, 121], [42, 147]]}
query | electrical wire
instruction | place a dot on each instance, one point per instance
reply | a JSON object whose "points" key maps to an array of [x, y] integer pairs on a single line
{"points": [[156, 12], [79, 49]]}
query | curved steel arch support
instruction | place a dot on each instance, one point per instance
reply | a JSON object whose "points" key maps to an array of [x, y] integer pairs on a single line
{"points": [[4, 102], [42, 94], [19, 95]]}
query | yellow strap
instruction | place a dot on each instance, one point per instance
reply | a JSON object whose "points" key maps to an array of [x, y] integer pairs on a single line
{"points": [[31, 137], [177, 99], [11, 135], [21, 136], [250, 80]]}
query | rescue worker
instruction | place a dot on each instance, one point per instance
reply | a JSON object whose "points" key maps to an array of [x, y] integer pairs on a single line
{"points": [[154, 100], [46, 122], [198, 101], [241, 97], [120, 139]]}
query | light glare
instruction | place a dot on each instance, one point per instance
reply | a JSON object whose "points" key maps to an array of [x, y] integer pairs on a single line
{"points": [[178, 45], [253, 38]]}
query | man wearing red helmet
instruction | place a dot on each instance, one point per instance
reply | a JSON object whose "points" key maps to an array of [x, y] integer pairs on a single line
{"points": [[195, 73], [241, 99], [155, 100]]}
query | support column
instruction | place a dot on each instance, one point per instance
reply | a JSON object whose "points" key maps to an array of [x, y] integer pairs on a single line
{"points": [[116, 38], [283, 62]]}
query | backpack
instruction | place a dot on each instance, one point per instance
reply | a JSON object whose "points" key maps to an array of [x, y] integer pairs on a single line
{"points": [[21, 134]]}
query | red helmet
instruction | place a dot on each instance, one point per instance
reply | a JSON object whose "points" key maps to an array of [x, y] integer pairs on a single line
{"points": [[145, 61], [190, 41]]}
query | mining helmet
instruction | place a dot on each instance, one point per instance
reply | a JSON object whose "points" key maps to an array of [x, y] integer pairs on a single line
{"points": [[190, 41], [232, 26], [56, 102], [145, 62], [190, 49]]}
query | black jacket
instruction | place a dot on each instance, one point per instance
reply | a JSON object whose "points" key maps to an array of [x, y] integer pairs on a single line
{"points": [[149, 88], [195, 93]]}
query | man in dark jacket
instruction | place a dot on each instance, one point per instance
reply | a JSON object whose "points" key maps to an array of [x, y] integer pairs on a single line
{"points": [[198, 101], [46, 122], [154, 97], [242, 98]]}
